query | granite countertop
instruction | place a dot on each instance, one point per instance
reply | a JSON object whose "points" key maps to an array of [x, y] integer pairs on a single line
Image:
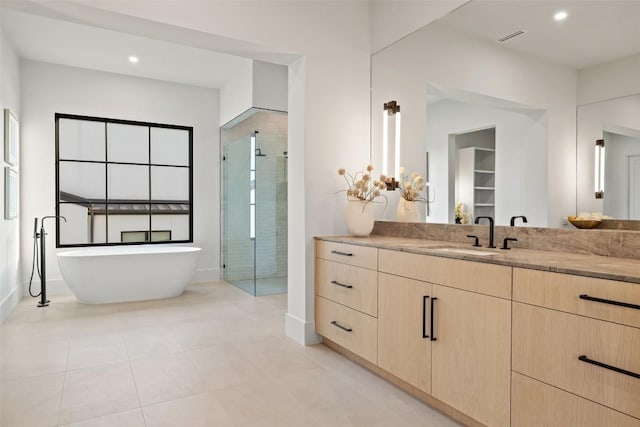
{"points": [[602, 267]]}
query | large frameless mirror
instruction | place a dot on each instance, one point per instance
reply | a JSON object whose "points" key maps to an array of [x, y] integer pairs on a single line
{"points": [[122, 182]]}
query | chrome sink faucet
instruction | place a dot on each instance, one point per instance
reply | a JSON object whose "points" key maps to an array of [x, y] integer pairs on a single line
{"points": [[477, 221]]}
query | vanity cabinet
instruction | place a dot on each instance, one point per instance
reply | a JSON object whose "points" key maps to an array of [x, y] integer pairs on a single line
{"points": [[486, 343], [469, 340], [587, 350], [346, 302], [404, 328], [471, 354]]}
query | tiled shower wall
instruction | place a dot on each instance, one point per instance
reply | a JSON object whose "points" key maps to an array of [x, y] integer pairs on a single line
{"points": [[271, 199]]}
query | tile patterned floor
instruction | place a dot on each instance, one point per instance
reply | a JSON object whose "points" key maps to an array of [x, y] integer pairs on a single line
{"points": [[215, 356]]}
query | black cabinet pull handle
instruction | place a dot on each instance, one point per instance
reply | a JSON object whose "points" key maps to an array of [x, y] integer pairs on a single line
{"points": [[612, 302], [341, 284], [424, 316], [433, 301], [344, 328], [584, 358], [341, 253]]}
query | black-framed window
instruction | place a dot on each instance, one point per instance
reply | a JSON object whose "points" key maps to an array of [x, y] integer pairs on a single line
{"points": [[114, 176]]}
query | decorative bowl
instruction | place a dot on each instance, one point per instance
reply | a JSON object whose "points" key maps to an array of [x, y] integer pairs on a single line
{"points": [[584, 223]]}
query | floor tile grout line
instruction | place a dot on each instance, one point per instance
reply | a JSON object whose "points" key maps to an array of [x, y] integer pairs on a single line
{"points": [[135, 384], [64, 382]]}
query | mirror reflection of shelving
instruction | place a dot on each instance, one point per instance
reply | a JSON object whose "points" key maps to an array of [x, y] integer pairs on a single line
{"points": [[475, 172]]}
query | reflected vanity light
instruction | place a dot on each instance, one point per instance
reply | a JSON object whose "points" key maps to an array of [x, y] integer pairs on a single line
{"points": [[391, 108], [133, 59], [599, 169]]}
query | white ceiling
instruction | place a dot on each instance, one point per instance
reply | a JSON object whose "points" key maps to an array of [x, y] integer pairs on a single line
{"points": [[595, 31], [61, 42]]}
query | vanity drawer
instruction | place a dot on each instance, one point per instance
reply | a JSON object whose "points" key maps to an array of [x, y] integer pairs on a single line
{"points": [[488, 279], [354, 287], [572, 294], [360, 256], [355, 331], [535, 404], [547, 345]]}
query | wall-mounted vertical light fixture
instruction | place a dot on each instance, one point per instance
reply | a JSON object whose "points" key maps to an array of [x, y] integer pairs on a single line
{"points": [[599, 169], [391, 111]]}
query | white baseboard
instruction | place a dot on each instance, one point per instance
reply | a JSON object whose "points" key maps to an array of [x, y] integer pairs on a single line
{"points": [[9, 303], [301, 331], [206, 275]]}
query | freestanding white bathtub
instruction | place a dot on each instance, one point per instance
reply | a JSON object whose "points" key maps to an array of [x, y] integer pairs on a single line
{"points": [[128, 273]]}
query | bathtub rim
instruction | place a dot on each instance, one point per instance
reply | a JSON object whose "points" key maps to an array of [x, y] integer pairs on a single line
{"points": [[127, 250]]}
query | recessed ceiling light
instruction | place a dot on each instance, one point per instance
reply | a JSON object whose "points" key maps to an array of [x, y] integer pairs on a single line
{"points": [[133, 59], [560, 15]]}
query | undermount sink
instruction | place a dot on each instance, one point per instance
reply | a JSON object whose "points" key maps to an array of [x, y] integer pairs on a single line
{"points": [[466, 251]]}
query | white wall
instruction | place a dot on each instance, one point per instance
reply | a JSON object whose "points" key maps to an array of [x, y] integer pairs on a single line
{"points": [[328, 92], [392, 20], [521, 161], [611, 80], [10, 289], [439, 55], [270, 86], [236, 96], [258, 84], [48, 89]]}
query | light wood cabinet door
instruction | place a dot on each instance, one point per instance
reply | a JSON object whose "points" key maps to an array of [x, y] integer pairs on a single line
{"points": [[404, 346], [548, 345], [471, 368], [535, 404]]}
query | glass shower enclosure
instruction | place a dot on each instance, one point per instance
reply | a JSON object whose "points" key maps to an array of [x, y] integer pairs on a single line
{"points": [[254, 202]]}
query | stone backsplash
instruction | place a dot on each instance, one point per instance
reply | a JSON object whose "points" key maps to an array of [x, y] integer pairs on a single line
{"points": [[609, 242]]}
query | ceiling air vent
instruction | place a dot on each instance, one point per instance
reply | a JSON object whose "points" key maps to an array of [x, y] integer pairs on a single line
{"points": [[512, 35]]}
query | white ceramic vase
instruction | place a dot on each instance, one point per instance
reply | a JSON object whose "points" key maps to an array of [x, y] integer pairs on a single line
{"points": [[360, 218], [407, 211]]}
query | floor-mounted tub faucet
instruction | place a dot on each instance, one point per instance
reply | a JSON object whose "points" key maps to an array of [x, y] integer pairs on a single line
{"points": [[491, 245]]}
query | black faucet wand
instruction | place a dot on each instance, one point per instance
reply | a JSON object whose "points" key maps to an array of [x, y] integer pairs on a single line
{"points": [[43, 262], [477, 221]]}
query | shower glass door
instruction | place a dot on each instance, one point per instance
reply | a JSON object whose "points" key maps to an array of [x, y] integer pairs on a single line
{"points": [[238, 243]]}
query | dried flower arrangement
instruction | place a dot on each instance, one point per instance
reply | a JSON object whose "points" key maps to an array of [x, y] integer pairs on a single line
{"points": [[411, 187], [462, 216], [361, 186]]}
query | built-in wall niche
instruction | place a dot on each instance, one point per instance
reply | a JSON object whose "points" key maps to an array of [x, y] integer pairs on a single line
{"points": [[475, 173], [122, 182]]}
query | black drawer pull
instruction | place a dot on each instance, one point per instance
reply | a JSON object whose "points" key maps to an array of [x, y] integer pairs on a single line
{"points": [[608, 301], [341, 253], [433, 302], [333, 282], [584, 358], [424, 316], [344, 328]]}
